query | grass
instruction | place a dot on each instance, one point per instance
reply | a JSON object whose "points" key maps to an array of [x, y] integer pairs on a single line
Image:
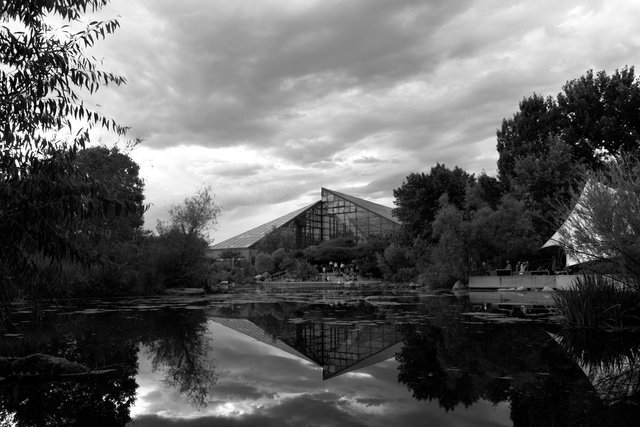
{"points": [[596, 302]]}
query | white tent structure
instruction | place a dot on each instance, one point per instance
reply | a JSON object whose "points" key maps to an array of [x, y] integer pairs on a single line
{"points": [[564, 237]]}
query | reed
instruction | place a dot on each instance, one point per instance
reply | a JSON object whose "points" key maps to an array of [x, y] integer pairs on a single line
{"points": [[597, 302]]}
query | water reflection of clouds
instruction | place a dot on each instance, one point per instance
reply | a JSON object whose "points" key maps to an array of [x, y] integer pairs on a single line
{"points": [[262, 385]]}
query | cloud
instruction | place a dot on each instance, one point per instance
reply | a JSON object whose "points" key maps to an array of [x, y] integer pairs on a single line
{"points": [[317, 410], [367, 160], [298, 94], [236, 391], [223, 77]]}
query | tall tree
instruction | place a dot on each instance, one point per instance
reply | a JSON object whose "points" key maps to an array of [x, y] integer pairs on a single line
{"points": [[526, 133], [195, 216], [465, 241], [450, 257], [601, 114], [486, 191], [596, 115], [118, 178], [545, 182], [112, 237], [547, 146], [185, 238], [417, 200], [506, 233], [44, 75]]}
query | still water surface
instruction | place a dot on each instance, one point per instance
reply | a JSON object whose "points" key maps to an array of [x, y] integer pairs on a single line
{"points": [[242, 360]]}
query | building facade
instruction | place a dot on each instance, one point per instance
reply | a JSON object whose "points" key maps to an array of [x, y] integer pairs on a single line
{"points": [[336, 215]]}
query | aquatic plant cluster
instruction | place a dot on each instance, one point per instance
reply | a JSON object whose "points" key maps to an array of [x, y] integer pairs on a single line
{"points": [[599, 302], [602, 232]]}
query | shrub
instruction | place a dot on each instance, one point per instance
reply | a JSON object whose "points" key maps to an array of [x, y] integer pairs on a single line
{"points": [[595, 301], [337, 250], [264, 263]]}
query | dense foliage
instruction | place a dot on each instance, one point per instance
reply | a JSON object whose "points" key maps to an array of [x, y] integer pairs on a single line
{"points": [[595, 115], [43, 196], [547, 146], [71, 217], [112, 240], [183, 240], [175, 341], [456, 224], [417, 200]]}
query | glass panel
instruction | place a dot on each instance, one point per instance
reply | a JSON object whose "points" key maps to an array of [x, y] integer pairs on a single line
{"points": [[335, 217]]}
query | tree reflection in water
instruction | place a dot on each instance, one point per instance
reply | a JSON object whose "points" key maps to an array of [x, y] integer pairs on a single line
{"points": [[90, 401], [611, 362], [86, 400], [181, 349], [445, 359], [421, 369], [175, 339], [516, 364]]}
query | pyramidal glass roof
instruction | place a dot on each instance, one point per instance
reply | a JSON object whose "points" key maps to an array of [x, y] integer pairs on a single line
{"points": [[383, 211], [251, 237]]}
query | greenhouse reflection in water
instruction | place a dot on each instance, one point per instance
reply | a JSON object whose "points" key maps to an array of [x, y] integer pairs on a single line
{"points": [[406, 360]]}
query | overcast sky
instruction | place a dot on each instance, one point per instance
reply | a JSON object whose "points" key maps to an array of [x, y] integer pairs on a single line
{"points": [[269, 100]]}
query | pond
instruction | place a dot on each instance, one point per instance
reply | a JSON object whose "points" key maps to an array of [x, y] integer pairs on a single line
{"points": [[323, 359]]}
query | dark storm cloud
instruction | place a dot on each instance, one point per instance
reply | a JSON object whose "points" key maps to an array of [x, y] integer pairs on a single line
{"points": [[220, 77], [223, 73], [298, 92]]}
